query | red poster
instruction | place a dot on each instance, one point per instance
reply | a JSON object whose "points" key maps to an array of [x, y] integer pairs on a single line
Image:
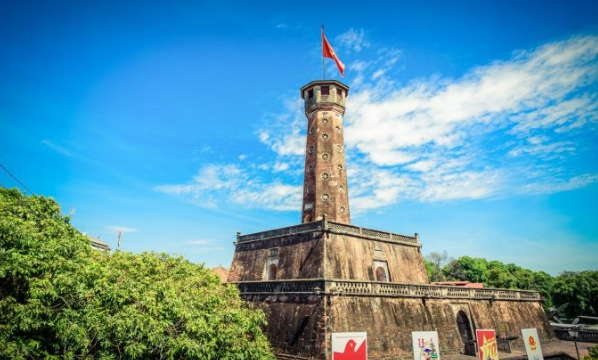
{"points": [[487, 347], [349, 346]]}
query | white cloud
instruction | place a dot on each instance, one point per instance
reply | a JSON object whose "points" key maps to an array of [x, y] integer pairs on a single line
{"points": [[353, 39], [216, 185], [524, 90], [428, 122], [551, 186], [197, 242], [281, 166], [284, 135], [59, 149], [377, 74], [123, 229]]}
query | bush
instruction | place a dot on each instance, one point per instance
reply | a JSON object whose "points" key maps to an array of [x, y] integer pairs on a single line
{"points": [[61, 299]]}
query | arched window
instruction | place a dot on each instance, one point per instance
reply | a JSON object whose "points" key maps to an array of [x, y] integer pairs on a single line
{"points": [[381, 271], [272, 272], [381, 274]]}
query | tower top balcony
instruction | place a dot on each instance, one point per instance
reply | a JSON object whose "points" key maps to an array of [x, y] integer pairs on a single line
{"points": [[324, 94]]}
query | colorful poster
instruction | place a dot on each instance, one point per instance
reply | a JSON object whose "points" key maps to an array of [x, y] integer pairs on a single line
{"points": [[487, 346], [425, 345], [532, 344], [349, 346]]}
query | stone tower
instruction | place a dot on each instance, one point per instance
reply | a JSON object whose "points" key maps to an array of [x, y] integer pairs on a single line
{"points": [[326, 276], [325, 177]]}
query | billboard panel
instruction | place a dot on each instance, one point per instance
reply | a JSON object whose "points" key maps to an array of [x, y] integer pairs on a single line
{"points": [[349, 346], [532, 344], [487, 347], [425, 345]]}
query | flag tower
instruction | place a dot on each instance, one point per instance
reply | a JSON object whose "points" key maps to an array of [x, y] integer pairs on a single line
{"points": [[325, 278], [325, 192]]}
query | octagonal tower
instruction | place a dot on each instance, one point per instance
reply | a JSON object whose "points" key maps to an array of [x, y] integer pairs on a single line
{"points": [[325, 177]]}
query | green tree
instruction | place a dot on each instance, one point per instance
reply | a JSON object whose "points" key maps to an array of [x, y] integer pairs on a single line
{"points": [[467, 268], [435, 261], [592, 355], [580, 290], [61, 299]]}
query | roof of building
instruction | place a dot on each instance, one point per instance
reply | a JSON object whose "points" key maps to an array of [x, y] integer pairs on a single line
{"points": [[221, 272], [467, 284], [96, 243]]}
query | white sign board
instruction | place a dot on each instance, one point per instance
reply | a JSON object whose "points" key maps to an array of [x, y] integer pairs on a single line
{"points": [[349, 346], [532, 344], [425, 345]]}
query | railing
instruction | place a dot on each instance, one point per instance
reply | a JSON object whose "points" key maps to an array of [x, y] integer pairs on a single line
{"points": [[332, 227], [373, 288], [339, 228], [324, 99], [295, 286], [582, 335], [297, 229]]}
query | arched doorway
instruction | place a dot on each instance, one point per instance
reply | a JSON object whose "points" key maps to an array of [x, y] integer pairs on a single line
{"points": [[272, 272], [466, 334]]}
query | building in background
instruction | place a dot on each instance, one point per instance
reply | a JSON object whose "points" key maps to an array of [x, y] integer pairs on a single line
{"points": [[98, 244]]}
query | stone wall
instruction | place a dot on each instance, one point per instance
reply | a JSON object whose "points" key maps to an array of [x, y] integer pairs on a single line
{"points": [[352, 257], [301, 325], [296, 323], [297, 257], [345, 255], [389, 321]]}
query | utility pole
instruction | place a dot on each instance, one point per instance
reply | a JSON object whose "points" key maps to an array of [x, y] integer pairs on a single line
{"points": [[120, 233]]}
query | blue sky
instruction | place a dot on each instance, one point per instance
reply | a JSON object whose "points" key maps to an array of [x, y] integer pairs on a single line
{"points": [[180, 123]]}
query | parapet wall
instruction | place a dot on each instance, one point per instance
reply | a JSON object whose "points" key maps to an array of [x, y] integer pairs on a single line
{"points": [[349, 256], [302, 315], [389, 321], [325, 249]]}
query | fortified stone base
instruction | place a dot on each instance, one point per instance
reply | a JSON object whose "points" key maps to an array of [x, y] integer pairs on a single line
{"points": [[318, 278]]}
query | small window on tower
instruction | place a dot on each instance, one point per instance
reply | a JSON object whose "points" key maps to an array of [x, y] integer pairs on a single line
{"points": [[381, 271], [339, 93], [310, 93], [325, 90]]}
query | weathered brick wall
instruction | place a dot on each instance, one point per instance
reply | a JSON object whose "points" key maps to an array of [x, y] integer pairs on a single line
{"points": [[350, 257], [296, 323], [508, 318], [299, 257], [390, 321]]}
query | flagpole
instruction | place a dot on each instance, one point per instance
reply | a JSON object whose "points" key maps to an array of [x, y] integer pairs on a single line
{"points": [[323, 62]]}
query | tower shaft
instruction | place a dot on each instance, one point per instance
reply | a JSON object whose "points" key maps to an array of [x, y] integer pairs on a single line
{"points": [[325, 176]]}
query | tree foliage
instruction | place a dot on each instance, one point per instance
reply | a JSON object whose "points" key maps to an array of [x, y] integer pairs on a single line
{"points": [[592, 354], [61, 299], [435, 261], [578, 289]]}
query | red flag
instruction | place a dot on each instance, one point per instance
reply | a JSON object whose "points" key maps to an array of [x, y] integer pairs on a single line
{"points": [[328, 52]]}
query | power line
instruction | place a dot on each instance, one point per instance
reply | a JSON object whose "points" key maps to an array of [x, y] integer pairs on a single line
{"points": [[19, 181]]}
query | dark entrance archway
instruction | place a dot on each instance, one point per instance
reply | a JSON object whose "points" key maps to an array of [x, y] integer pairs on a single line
{"points": [[466, 334]]}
